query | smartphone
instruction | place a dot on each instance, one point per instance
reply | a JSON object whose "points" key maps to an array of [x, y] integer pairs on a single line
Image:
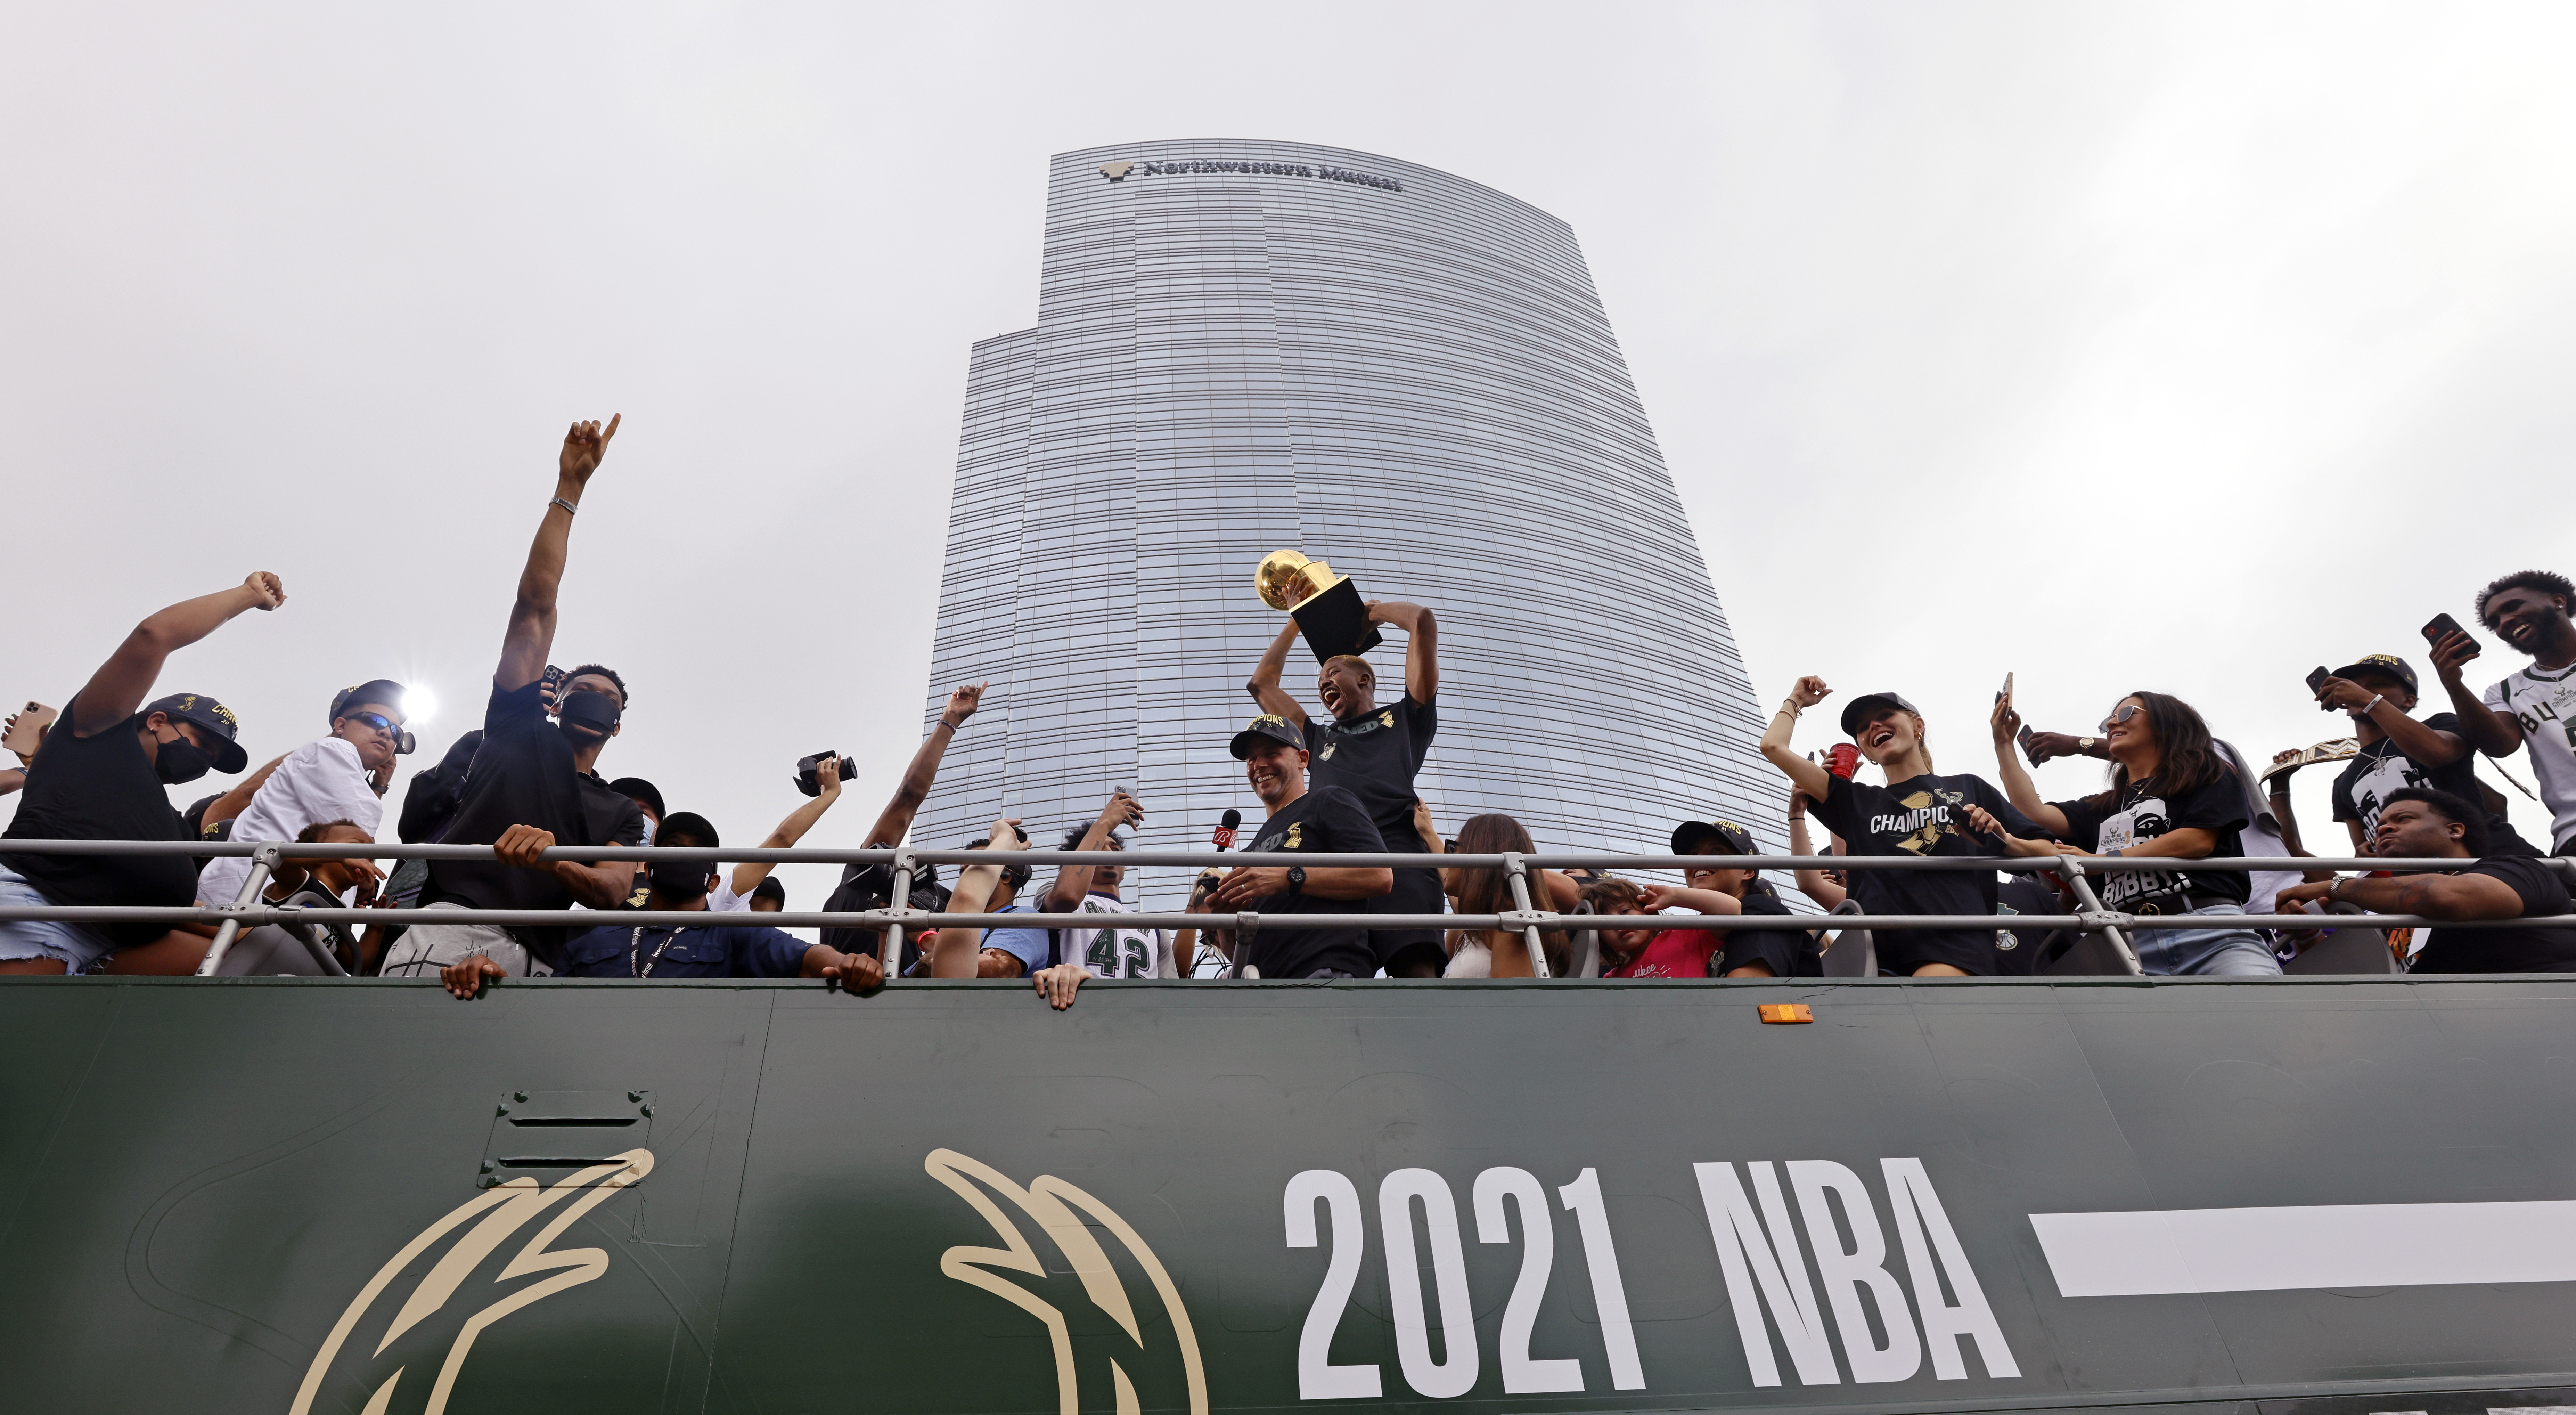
{"points": [[2317, 679], [2004, 693], [550, 685], [2444, 625], [29, 729], [1130, 794]]}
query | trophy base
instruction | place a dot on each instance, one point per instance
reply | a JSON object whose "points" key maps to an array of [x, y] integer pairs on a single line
{"points": [[1336, 622]]}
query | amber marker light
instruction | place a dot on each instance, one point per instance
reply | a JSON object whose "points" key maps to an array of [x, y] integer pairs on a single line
{"points": [[1785, 1012]]}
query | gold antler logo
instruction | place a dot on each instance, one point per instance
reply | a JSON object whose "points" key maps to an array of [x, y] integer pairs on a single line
{"points": [[510, 1206], [1116, 171], [1046, 1200]]}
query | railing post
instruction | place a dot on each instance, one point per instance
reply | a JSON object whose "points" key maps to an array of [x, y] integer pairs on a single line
{"points": [[2092, 902], [261, 865], [892, 957], [1519, 875], [1245, 926]]}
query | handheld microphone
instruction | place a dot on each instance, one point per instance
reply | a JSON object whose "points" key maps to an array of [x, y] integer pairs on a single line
{"points": [[1225, 829]]}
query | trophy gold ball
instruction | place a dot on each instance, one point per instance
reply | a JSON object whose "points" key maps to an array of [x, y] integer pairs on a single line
{"points": [[1287, 579], [1328, 608]]}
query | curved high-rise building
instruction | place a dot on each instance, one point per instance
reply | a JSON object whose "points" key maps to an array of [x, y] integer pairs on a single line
{"points": [[1248, 345]]}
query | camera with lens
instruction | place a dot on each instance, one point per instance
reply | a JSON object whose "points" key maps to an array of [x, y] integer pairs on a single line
{"points": [[809, 782]]}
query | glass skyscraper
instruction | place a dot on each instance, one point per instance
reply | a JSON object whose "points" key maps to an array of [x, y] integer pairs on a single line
{"points": [[1243, 346]]}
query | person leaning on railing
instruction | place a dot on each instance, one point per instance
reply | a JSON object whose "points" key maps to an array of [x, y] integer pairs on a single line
{"points": [[1504, 953], [2415, 823], [1916, 813], [2172, 796], [716, 949], [533, 784], [103, 773], [1711, 888], [338, 777]]}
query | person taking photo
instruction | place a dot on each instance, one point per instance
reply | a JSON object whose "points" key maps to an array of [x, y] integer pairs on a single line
{"points": [[2172, 796], [2377, 691], [2533, 708]]}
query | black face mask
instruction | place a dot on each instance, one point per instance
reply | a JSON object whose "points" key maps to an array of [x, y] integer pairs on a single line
{"points": [[679, 879], [180, 760], [595, 711]]}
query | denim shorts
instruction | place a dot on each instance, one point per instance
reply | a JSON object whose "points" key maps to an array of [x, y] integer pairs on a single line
{"points": [[76, 946], [2221, 952]]}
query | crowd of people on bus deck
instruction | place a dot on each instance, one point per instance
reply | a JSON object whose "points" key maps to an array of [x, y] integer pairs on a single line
{"points": [[1342, 781]]}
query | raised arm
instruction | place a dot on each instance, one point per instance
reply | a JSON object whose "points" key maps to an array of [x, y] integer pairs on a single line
{"points": [[1421, 645], [1072, 882], [1264, 686], [958, 952], [2489, 731], [1803, 774], [2413, 738], [914, 789], [120, 685], [827, 775], [2006, 721], [531, 635], [1811, 883]]}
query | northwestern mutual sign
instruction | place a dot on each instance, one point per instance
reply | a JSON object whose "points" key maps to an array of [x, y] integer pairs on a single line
{"points": [[1120, 171]]}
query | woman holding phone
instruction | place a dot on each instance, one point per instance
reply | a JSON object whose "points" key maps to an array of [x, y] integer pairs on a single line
{"points": [[2172, 796]]}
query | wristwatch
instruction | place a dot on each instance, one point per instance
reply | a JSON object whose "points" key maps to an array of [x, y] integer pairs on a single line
{"points": [[1296, 879], [2086, 742]]}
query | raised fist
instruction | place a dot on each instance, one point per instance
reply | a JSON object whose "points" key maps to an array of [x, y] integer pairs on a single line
{"points": [[265, 590]]}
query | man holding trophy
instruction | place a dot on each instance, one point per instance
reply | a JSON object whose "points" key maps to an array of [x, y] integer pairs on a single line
{"points": [[1371, 751]]}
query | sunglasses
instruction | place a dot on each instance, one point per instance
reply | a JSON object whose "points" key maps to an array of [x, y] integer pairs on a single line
{"points": [[2120, 714], [378, 721]]}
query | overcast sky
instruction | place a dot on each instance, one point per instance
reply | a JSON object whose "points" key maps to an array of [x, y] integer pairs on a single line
{"points": [[2157, 346]]}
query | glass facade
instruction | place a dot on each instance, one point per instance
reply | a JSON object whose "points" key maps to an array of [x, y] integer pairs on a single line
{"points": [[1244, 346]]}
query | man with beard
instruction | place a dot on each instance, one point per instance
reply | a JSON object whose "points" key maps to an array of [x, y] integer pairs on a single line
{"points": [[715, 950], [533, 784], [2415, 823], [2534, 708], [1374, 753]]}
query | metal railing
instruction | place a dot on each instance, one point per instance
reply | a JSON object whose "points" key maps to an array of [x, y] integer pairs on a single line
{"points": [[248, 910]]}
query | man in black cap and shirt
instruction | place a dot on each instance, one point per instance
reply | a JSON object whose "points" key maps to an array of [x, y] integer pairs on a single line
{"points": [[1323, 819], [1916, 813], [533, 783], [1374, 753], [104, 773], [2423, 825], [2397, 752]]}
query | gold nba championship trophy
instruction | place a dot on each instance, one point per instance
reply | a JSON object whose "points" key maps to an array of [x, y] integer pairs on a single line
{"points": [[1327, 607]]}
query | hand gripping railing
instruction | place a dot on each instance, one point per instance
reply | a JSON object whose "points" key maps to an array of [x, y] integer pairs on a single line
{"points": [[247, 910]]}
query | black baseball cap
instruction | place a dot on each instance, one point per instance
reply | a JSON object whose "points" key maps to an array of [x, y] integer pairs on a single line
{"points": [[2386, 665], [374, 690], [1736, 839], [636, 788], [1858, 709], [210, 715], [1272, 726]]}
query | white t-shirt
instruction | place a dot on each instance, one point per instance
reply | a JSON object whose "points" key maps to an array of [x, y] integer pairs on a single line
{"points": [[2545, 705], [319, 781], [722, 899], [1115, 952]]}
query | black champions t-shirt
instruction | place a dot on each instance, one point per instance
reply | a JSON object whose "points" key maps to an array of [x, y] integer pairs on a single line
{"points": [[101, 787], [523, 774], [1375, 757], [1925, 815], [2378, 769], [1326, 819], [2527, 950], [2142, 812]]}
